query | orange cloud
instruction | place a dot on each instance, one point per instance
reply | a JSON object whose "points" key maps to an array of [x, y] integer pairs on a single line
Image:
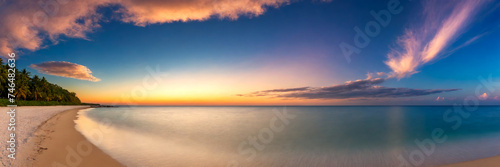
{"points": [[484, 96], [65, 69], [28, 24], [420, 46], [156, 11]]}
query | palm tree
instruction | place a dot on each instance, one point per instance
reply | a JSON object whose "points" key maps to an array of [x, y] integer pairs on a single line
{"points": [[22, 91], [37, 93], [34, 88], [3, 81], [22, 84]]}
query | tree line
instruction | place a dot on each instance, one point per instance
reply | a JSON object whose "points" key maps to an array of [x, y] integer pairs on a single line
{"points": [[34, 88]]}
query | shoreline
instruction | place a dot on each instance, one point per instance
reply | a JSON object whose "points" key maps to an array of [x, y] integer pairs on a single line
{"points": [[58, 143], [27, 120], [58, 132]]}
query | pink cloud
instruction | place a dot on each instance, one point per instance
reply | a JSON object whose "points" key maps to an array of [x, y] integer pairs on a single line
{"points": [[421, 45], [440, 98], [27, 24], [381, 73], [484, 96], [65, 69]]}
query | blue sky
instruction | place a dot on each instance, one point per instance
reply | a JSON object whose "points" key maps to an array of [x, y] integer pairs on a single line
{"points": [[289, 45]]}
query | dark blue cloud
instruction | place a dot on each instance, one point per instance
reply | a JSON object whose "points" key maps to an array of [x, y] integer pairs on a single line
{"points": [[367, 88]]}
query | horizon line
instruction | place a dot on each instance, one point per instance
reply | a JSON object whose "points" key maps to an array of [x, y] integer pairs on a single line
{"points": [[491, 105]]}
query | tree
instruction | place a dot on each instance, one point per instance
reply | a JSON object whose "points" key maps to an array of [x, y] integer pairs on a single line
{"points": [[34, 88], [3, 78], [22, 85]]}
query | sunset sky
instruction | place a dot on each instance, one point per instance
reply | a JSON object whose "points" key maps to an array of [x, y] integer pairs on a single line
{"points": [[259, 52]]}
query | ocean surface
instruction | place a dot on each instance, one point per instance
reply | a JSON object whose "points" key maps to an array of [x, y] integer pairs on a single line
{"points": [[293, 136]]}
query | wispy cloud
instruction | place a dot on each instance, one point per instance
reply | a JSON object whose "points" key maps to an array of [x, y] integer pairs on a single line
{"points": [[367, 88], [444, 23], [30, 24], [65, 69]]}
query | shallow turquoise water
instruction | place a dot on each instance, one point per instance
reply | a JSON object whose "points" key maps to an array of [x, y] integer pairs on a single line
{"points": [[292, 136]]}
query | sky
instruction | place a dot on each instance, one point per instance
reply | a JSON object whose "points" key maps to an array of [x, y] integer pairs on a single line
{"points": [[260, 52]]}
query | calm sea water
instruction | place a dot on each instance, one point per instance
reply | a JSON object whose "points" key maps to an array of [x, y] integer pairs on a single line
{"points": [[292, 136]]}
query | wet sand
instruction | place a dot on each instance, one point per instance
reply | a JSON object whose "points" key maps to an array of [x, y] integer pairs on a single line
{"points": [[486, 162], [59, 144]]}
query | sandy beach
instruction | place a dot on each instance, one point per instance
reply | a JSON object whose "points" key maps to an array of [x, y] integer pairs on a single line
{"points": [[47, 137], [486, 162]]}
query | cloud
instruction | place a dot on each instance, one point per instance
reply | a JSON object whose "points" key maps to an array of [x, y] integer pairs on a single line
{"points": [[156, 11], [440, 98], [27, 24], [484, 96], [444, 23], [367, 88], [30, 25], [65, 69]]}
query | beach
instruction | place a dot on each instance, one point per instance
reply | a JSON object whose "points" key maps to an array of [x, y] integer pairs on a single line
{"points": [[46, 136], [486, 162]]}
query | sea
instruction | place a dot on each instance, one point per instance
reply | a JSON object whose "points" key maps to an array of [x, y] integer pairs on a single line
{"points": [[309, 136]]}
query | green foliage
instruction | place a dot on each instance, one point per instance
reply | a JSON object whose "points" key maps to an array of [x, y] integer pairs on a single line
{"points": [[31, 91], [5, 102]]}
